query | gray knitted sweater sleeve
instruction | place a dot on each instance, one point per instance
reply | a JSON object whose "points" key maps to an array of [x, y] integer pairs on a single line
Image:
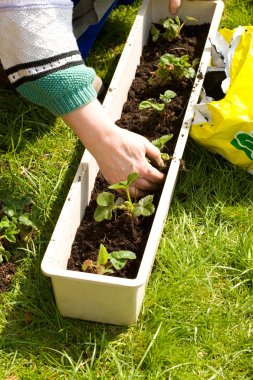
{"points": [[39, 53]]}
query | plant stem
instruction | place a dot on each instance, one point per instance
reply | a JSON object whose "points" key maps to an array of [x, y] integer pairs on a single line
{"points": [[128, 196]]}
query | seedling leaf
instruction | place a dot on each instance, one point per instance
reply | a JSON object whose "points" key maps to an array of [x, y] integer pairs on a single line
{"points": [[172, 67], [126, 183], [26, 221], [189, 18], [102, 255], [172, 28], [161, 141], [155, 33], [105, 199], [118, 263], [4, 223], [190, 73], [119, 259], [14, 221], [4, 254], [144, 207], [9, 230], [105, 207], [123, 254], [167, 96], [15, 207], [103, 213], [146, 104], [165, 156]]}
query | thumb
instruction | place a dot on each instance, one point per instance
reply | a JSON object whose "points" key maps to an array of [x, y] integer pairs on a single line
{"points": [[153, 153]]}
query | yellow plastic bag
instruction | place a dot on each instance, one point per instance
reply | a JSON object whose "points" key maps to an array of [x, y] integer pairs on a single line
{"points": [[226, 126]]}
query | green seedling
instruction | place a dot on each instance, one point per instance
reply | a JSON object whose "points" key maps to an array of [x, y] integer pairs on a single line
{"points": [[160, 143], [108, 262], [149, 103], [172, 67], [171, 28], [107, 205], [166, 98], [15, 223], [8, 230]]}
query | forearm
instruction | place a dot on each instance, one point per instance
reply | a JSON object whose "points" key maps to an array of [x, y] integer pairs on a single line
{"points": [[40, 55], [91, 124]]}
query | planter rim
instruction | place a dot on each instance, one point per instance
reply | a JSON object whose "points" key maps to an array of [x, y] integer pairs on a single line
{"points": [[96, 278]]}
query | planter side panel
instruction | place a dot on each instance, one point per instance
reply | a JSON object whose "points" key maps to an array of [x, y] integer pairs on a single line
{"points": [[205, 12], [130, 58], [202, 10], [59, 247], [119, 305]]}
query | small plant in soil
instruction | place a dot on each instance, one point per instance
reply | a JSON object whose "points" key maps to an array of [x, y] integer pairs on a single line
{"points": [[171, 28], [107, 262], [107, 204], [15, 224], [152, 103], [8, 230], [160, 143], [171, 67]]}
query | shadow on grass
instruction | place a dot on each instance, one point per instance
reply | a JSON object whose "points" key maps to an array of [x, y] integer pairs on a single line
{"points": [[32, 326], [20, 121], [212, 183], [41, 337], [36, 336], [22, 128], [223, 181]]}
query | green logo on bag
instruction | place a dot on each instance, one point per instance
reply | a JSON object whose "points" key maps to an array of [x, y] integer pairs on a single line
{"points": [[244, 141]]}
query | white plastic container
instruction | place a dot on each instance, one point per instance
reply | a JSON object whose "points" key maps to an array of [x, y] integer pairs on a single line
{"points": [[110, 299]]}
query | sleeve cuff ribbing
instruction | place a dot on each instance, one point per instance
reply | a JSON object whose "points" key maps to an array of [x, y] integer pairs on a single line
{"points": [[62, 91]]}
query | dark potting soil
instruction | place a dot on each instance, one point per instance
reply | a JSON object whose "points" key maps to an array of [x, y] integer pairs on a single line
{"points": [[118, 233], [7, 271]]}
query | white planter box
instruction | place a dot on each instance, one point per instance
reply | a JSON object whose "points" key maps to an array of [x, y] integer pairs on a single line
{"points": [[103, 298]]}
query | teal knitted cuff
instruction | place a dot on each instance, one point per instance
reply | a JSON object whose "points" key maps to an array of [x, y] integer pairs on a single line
{"points": [[62, 91]]}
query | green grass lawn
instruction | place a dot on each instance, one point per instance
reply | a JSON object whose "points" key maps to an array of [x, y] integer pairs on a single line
{"points": [[197, 318]]}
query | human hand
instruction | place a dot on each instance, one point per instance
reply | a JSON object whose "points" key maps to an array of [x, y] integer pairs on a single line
{"points": [[174, 5], [118, 152], [125, 152]]}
